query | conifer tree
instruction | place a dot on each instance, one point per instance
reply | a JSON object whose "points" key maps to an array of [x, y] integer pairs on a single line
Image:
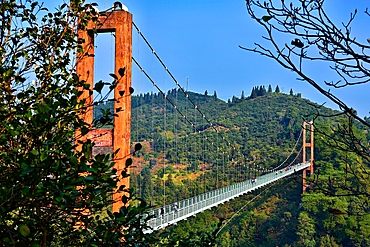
{"points": [[263, 90], [254, 93], [269, 89], [234, 99]]}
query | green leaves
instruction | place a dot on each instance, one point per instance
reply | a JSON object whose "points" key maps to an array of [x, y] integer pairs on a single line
{"points": [[28, 170], [24, 230], [44, 155], [99, 86], [25, 190], [266, 18], [138, 146], [298, 43], [129, 162], [121, 71], [84, 130], [114, 76]]}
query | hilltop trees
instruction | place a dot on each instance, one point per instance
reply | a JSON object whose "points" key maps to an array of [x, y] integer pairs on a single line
{"points": [[261, 91], [258, 91]]}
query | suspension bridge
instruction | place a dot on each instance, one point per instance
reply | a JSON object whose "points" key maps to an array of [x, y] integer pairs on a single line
{"points": [[170, 214], [119, 21]]}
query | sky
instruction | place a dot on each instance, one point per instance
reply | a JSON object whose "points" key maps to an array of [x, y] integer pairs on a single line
{"points": [[199, 40]]}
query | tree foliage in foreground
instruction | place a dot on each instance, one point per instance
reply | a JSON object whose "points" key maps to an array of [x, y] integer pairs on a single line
{"points": [[47, 185], [40, 197]]}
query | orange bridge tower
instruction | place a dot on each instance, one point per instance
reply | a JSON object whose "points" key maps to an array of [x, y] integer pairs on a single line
{"points": [[308, 143], [119, 21]]}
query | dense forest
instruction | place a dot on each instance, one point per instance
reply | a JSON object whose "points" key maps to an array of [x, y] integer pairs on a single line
{"points": [[193, 146]]}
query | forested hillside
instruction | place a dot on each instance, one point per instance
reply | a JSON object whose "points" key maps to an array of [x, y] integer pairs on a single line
{"points": [[185, 153]]}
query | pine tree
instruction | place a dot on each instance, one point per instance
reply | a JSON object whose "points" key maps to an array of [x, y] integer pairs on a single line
{"points": [[234, 99], [254, 93], [269, 89], [277, 89], [263, 91]]}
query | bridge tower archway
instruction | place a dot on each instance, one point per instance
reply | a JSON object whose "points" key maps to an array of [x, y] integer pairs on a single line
{"points": [[118, 21]]}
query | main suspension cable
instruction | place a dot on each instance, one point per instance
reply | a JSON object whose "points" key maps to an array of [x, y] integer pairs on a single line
{"points": [[294, 147], [173, 78]]}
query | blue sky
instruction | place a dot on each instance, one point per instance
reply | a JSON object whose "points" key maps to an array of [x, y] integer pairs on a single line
{"points": [[199, 40]]}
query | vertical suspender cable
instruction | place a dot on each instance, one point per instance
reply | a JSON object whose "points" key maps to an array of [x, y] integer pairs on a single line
{"points": [[223, 168], [195, 147], [204, 164], [187, 151], [217, 161], [153, 146], [156, 189], [138, 98], [164, 148], [139, 113]]}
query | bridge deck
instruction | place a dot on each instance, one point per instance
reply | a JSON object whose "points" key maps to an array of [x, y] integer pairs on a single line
{"points": [[189, 207]]}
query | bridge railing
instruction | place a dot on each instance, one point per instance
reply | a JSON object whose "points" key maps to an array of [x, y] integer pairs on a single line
{"points": [[175, 212]]}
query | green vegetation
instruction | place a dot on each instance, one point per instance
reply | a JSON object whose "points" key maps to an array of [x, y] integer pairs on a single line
{"points": [[261, 132]]}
